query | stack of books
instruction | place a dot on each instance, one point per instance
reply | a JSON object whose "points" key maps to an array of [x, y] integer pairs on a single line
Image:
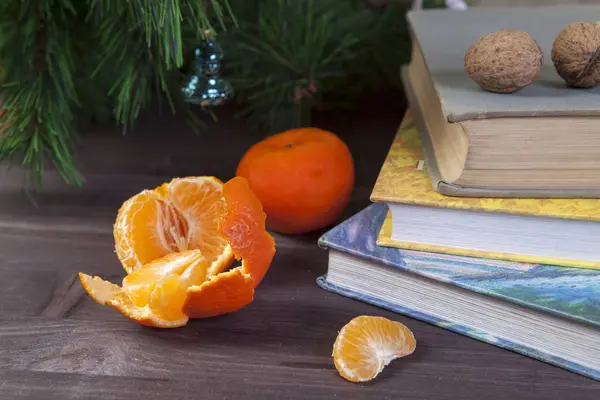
{"points": [[486, 214]]}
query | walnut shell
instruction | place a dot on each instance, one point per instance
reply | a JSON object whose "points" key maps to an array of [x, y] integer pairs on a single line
{"points": [[576, 54], [504, 61]]}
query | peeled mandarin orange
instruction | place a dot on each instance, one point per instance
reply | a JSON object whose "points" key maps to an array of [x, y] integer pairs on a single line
{"points": [[183, 284], [303, 178], [180, 215], [366, 344]]}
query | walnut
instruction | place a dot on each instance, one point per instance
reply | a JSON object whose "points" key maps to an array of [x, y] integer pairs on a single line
{"points": [[504, 61], [576, 54]]}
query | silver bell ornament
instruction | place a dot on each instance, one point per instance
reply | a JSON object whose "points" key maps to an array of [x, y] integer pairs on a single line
{"points": [[205, 87]]}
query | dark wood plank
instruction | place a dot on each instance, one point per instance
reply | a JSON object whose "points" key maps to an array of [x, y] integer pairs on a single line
{"points": [[56, 343]]}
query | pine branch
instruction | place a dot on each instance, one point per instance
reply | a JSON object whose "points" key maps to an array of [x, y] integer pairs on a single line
{"points": [[38, 95], [66, 61], [286, 53], [143, 46]]}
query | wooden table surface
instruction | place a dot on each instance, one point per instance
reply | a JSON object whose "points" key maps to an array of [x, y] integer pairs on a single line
{"points": [[56, 343]]}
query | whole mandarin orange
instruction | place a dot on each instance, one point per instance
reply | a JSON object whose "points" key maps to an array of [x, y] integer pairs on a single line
{"points": [[303, 177]]}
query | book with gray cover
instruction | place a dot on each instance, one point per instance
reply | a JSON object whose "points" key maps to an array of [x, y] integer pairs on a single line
{"points": [[442, 37], [450, 189]]}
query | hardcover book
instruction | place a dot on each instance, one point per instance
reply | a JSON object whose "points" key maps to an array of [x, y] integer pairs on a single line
{"points": [[543, 140], [562, 232], [545, 312]]}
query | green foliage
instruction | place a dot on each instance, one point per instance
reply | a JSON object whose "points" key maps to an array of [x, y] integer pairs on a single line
{"points": [[67, 62], [289, 57], [434, 3]]}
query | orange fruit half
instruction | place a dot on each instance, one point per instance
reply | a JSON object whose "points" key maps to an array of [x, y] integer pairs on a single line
{"points": [[181, 284], [367, 344], [179, 215]]}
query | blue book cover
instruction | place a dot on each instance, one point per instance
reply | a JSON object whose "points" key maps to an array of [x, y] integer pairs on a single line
{"points": [[572, 293]]}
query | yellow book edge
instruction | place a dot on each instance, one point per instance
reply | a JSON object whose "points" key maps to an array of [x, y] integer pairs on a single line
{"points": [[385, 239]]}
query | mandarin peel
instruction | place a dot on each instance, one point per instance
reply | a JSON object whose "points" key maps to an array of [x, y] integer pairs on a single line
{"points": [[367, 344], [243, 224], [225, 293]]}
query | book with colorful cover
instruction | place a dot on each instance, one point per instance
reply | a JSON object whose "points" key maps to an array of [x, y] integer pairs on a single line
{"points": [[568, 293], [403, 180]]}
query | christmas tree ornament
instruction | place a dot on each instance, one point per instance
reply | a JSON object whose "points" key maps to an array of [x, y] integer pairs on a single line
{"points": [[211, 55], [205, 87], [216, 92]]}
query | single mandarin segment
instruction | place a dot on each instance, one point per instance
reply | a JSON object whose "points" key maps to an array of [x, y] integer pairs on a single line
{"points": [[177, 216], [303, 178], [185, 283], [191, 266], [201, 202], [366, 344]]}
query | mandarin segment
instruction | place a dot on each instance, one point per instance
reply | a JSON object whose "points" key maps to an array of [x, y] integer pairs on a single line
{"points": [[154, 294], [176, 216], [143, 315], [167, 298], [367, 344], [137, 240], [244, 226], [173, 263], [201, 202], [225, 293], [140, 284]]}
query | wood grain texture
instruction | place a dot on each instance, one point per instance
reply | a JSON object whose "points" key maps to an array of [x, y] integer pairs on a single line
{"points": [[56, 343]]}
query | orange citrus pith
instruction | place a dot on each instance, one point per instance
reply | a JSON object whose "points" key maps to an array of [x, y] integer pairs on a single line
{"points": [[303, 178], [366, 344], [176, 242]]}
